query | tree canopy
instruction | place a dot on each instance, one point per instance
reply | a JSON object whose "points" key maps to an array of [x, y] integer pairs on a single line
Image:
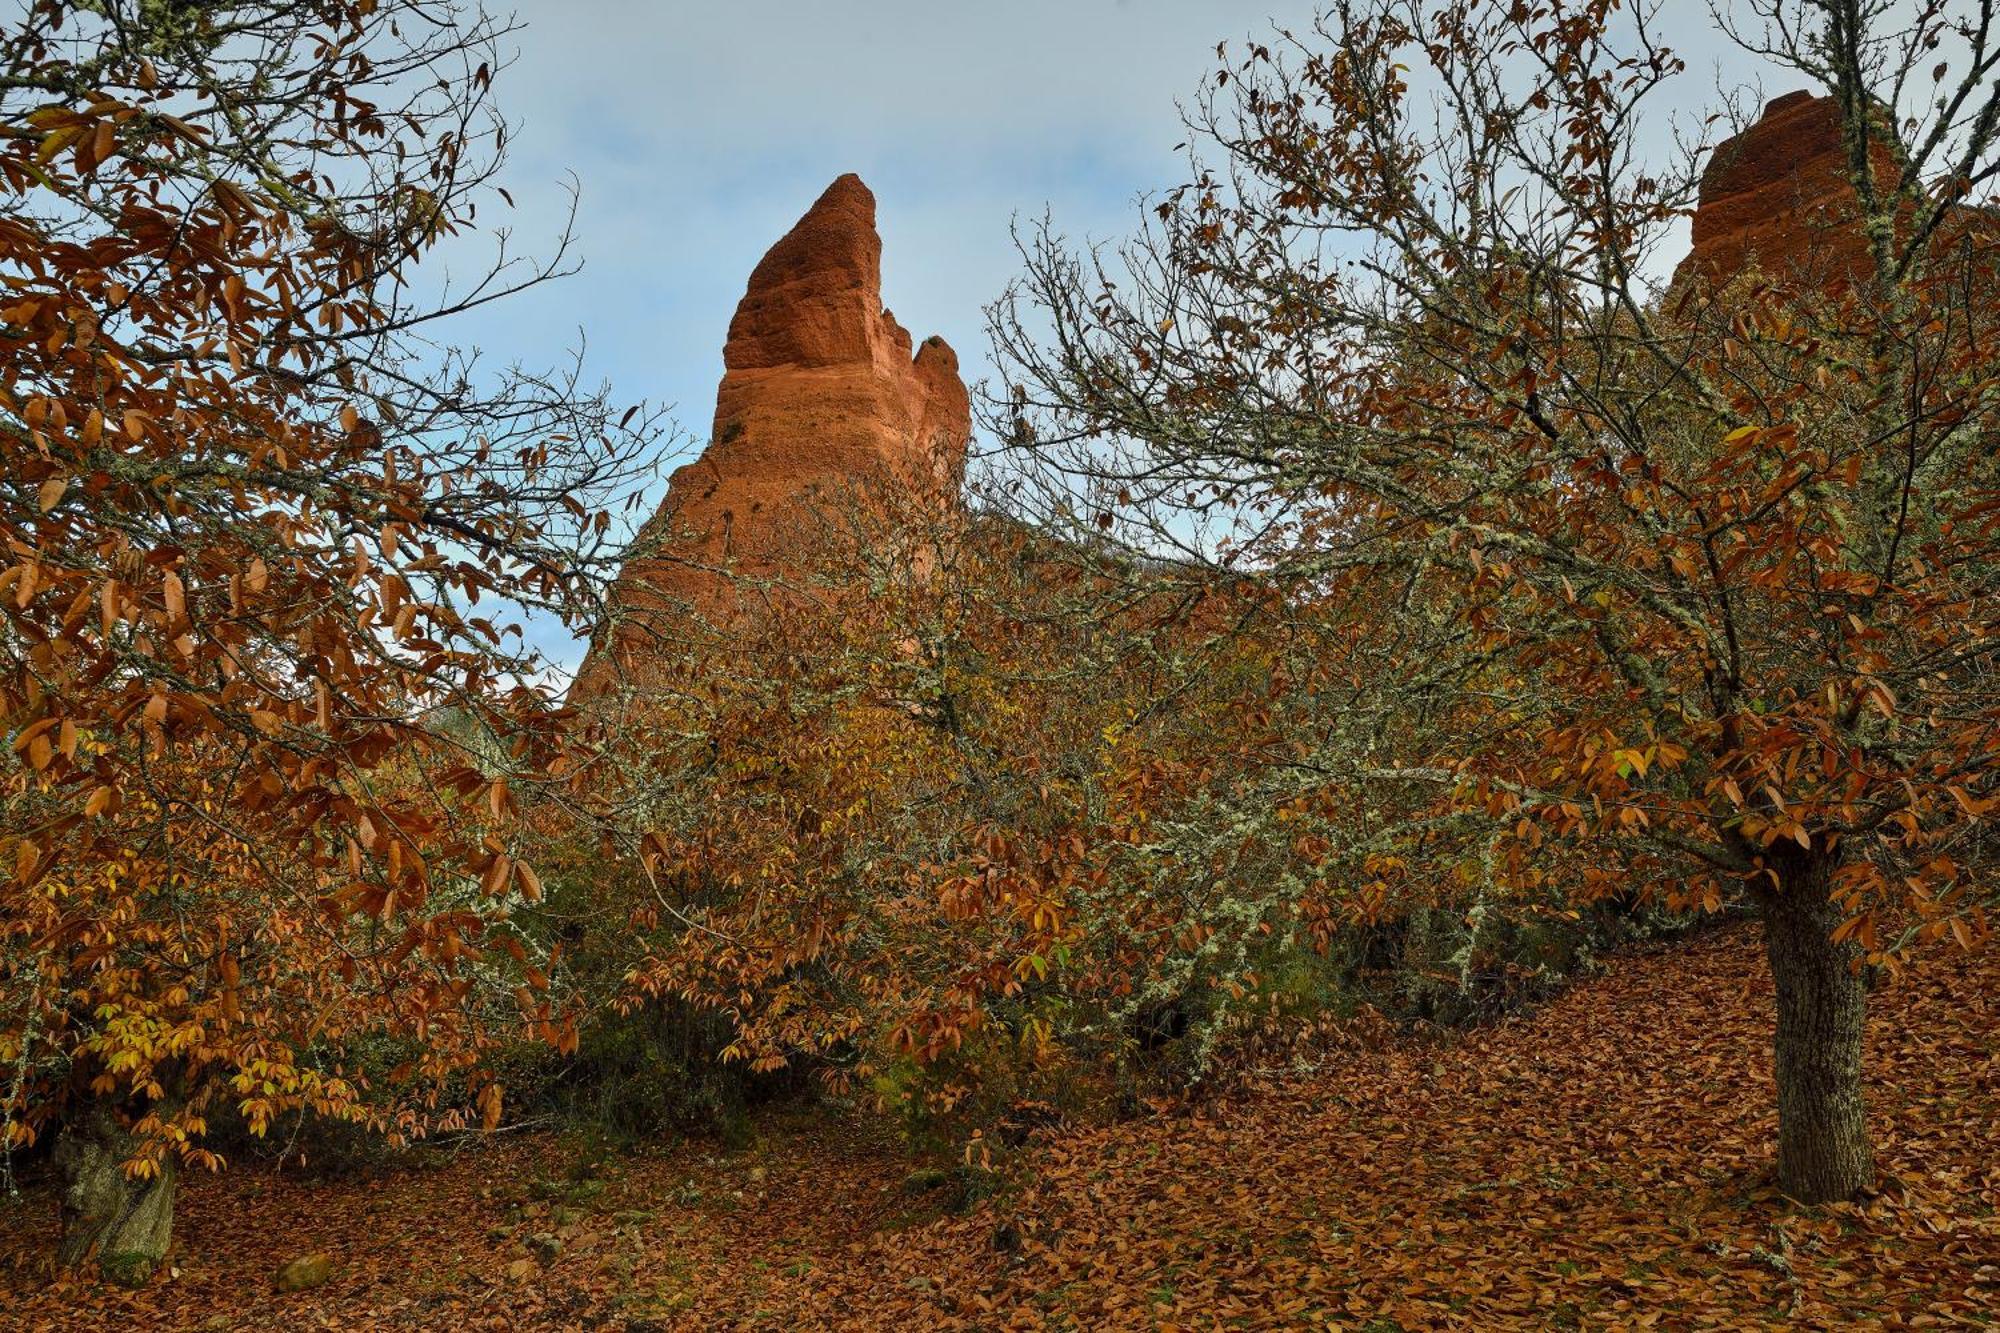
{"points": [[1685, 588], [252, 507]]}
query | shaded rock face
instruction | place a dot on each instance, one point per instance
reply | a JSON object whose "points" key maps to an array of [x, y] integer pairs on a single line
{"points": [[1777, 196], [823, 396]]}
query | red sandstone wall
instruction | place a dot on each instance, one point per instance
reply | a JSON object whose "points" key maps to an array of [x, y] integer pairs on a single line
{"points": [[822, 395]]}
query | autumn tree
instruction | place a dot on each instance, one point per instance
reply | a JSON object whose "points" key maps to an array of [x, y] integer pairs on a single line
{"points": [[261, 534], [898, 813], [1636, 586]]}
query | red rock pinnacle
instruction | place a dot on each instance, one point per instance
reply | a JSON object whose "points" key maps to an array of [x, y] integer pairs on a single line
{"points": [[820, 391], [1777, 196]]}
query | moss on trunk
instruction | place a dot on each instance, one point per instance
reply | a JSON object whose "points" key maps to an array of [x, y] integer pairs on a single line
{"points": [[125, 1225]]}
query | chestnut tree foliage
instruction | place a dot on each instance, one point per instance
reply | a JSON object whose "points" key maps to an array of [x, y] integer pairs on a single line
{"points": [[261, 532], [896, 816], [1618, 587]]}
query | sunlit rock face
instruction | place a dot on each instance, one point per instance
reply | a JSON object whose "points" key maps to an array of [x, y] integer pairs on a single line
{"points": [[823, 402], [1779, 198]]}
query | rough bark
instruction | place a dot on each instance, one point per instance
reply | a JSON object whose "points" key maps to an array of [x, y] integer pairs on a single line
{"points": [[126, 1226], [1823, 1149]]}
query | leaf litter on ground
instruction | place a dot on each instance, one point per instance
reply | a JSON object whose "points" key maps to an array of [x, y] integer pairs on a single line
{"points": [[1603, 1162]]}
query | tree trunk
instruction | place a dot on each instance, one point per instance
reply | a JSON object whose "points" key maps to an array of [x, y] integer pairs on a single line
{"points": [[1823, 1149], [126, 1225]]}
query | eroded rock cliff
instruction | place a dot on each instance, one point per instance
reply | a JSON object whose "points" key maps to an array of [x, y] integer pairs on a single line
{"points": [[824, 401], [1779, 198]]}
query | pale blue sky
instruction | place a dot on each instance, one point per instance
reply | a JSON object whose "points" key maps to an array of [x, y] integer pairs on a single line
{"points": [[699, 130]]}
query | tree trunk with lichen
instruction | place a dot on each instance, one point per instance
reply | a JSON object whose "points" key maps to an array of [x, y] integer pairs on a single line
{"points": [[1823, 1149], [123, 1224]]}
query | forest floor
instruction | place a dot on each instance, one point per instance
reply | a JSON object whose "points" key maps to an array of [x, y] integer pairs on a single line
{"points": [[1601, 1163]]}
